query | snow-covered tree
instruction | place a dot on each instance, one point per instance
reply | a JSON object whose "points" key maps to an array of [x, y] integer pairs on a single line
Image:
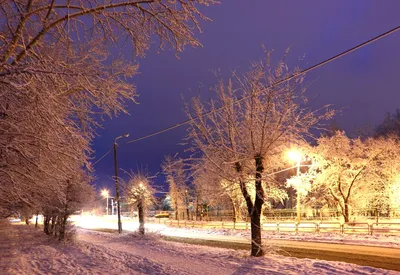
{"points": [[178, 182], [57, 78], [356, 172], [393, 191], [57, 209], [138, 191], [249, 127], [390, 126]]}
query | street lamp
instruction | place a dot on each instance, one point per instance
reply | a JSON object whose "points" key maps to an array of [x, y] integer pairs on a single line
{"points": [[116, 182], [104, 193], [296, 156]]}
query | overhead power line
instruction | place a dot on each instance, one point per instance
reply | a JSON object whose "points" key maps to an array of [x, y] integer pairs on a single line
{"points": [[109, 151], [275, 84], [309, 69]]}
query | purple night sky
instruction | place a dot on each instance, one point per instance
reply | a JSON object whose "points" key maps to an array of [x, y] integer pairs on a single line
{"points": [[365, 83]]}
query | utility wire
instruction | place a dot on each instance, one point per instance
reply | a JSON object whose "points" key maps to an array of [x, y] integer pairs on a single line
{"points": [[320, 64], [109, 151], [275, 84]]}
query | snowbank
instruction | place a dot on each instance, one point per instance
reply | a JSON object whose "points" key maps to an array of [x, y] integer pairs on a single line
{"points": [[26, 250]]}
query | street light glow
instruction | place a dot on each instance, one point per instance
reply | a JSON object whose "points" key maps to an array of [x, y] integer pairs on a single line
{"points": [[104, 193], [294, 155]]}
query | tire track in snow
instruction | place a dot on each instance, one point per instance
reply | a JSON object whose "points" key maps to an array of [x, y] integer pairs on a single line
{"points": [[177, 260]]}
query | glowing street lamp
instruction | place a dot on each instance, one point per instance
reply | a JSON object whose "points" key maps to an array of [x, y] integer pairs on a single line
{"points": [[296, 156], [104, 193]]}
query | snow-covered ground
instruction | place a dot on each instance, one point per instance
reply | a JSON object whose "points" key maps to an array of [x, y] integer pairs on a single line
{"points": [[92, 222], [26, 250], [374, 240]]}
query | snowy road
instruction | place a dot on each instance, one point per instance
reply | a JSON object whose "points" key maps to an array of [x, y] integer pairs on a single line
{"points": [[382, 257], [26, 250], [377, 256], [188, 259]]}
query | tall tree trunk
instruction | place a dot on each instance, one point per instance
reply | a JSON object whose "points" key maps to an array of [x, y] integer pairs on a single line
{"points": [[234, 215], [63, 226], [256, 243], [254, 209], [37, 218], [63, 223], [197, 208], [188, 213], [346, 213], [46, 224], [255, 214], [52, 225], [176, 211], [141, 216]]}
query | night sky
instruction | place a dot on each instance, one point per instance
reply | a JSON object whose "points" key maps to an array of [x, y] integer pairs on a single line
{"points": [[364, 83]]}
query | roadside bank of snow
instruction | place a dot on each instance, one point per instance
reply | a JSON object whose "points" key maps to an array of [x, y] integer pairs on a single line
{"points": [[26, 250]]}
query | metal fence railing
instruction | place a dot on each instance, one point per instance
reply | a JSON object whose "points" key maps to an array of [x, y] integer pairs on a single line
{"points": [[367, 228], [278, 215]]}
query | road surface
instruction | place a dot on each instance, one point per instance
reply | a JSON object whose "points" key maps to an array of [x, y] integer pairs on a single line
{"points": [[381, 257]]}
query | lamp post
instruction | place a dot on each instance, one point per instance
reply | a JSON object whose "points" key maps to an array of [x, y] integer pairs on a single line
{"points": [[104, 193], [296, 156], [116, 182]]}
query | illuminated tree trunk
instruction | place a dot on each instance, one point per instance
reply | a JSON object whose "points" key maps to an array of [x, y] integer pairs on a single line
{"points": [[234, 215], [254, 209], [346, 214], [46, 224], [52, 225], [176, 211], [141, 216], [37, 218], [63, 226], [197, 207], [255, 215]]}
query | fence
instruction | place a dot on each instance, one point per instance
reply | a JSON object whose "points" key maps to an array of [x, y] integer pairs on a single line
{"points": [[308, 214], [306, 227]]}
